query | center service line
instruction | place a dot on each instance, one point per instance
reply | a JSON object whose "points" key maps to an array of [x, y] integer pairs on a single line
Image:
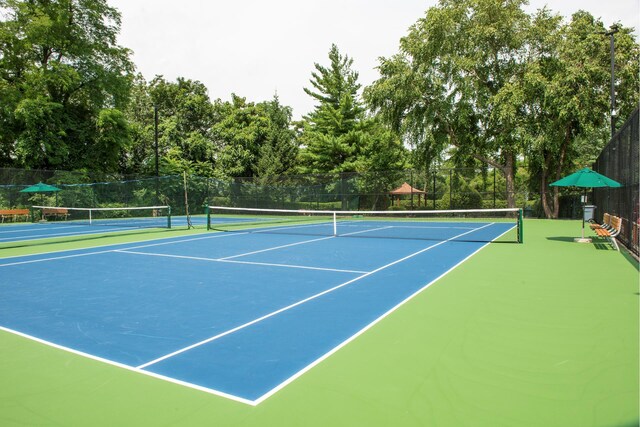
{"points": [[289, 307]]}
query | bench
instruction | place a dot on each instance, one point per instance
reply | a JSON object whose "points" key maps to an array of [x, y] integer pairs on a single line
{"points": [[611, 230], [55, 213], [606, 222], [14, 214]]}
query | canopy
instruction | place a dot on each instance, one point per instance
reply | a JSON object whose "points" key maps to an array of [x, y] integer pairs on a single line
{"points": [[406, 189], [40, 188], [586, 178]]}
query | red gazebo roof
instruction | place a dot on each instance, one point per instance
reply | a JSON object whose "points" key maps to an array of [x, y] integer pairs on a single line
{"points": [[406, 189]]}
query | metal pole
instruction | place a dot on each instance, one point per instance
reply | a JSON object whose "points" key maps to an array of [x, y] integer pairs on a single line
{"points": [[434, 190], [494, 188], [614, 29], [155, 140], [155, 135], [450, 188]]}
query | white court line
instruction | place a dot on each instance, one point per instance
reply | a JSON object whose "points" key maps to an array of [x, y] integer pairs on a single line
{"points": [[301, 243], [52, 235], [127, 367], [369, 230], [226, 395], [225, 260], [31, 261], [37, 228], [296, 304], [417, 227], [371, 324], [277, 247]]}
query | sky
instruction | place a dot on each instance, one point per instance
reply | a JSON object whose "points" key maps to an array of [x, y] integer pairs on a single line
{"points": [[258, 48]]}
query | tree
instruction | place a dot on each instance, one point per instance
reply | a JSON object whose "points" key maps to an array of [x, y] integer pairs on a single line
{"points": [[253, 139], [381, 162], [332, 134], [278, 154], [185, 120], [441, 90], [60, 67], [563, 97], [480, 79], [140, 157]]}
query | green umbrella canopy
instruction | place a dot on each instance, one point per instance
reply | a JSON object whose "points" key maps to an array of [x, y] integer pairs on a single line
{"points": [[40, 188], [586, 178]]}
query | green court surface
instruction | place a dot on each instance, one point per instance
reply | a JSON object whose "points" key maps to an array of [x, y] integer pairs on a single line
{"points": [[539, 334]]}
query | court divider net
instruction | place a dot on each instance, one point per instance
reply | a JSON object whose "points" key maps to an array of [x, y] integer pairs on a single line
{"points": [[481, 225], [137, 217]]}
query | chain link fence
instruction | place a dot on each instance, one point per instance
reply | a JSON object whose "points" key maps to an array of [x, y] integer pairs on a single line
{"points": [[620, 160], [463, 188]]}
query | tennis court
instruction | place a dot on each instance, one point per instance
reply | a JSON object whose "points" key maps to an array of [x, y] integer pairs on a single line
{"points": [[523, 335], [238, 314], [26, 232]]}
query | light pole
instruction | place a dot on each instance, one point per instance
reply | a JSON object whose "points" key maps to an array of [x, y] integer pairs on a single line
{"points": [[155, 135], [155, 143], [610, 33]]}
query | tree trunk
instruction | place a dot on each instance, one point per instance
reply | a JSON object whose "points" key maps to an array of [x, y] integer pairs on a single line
{"points": [[553, 210], [561, 159], [543, 186], [509, 175]]}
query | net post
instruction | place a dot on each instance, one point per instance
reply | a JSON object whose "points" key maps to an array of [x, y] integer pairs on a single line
{"points": [[90, 221], [335, 225], [520, 224], [208, 213], [168, 216]]}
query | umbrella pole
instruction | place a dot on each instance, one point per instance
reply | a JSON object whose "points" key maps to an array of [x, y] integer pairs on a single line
{"points": [[583, 239], [584, 202]]}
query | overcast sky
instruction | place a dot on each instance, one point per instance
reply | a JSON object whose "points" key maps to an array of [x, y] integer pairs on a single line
{"points": [[256, 48]]}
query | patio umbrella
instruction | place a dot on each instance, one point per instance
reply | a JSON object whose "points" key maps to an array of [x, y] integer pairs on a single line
{"points": [[586, 178], [41, 188]]}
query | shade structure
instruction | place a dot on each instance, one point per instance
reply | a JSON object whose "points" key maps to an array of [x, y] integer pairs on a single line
{"points": [[40, 187], [406, 189], [586, 178]]}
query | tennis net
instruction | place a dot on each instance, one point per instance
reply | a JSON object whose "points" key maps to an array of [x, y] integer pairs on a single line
{"points": [[137, 217], [481, 225]]}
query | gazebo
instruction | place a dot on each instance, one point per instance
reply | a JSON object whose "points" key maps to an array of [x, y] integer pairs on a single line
{"points": [[406, 189]]}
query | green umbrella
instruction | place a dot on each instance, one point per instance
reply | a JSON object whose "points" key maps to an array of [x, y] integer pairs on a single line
{"points": [[586, 178], [41, 188]]}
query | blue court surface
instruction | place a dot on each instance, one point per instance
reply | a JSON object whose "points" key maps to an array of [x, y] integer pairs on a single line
{"points": [[10, 233], [236, 314]]}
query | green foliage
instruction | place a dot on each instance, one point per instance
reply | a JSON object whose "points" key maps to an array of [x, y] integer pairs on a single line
{"points": [[278, 153], [338, 137], [60, 67], [333, 134], [478, 84], [253, 139], [441, 90], [482, 79], [185, 118], [112, 139], [564, 96]]}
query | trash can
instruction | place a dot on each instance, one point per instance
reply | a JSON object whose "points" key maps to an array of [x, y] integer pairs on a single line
{"points": [[589, 212]]}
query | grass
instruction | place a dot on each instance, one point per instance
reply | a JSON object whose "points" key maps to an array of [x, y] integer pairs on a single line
{"points": [[539, 334]]}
